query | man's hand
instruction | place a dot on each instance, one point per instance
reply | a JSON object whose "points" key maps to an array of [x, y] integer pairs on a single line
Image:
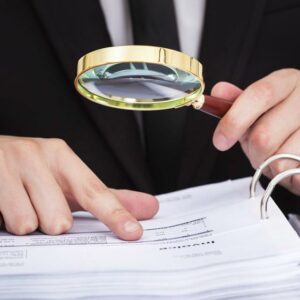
{"points": [[265, 118], [43, 180]]}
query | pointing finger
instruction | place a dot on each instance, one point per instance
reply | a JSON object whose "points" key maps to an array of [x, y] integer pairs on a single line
{"points": [[80, 183]]}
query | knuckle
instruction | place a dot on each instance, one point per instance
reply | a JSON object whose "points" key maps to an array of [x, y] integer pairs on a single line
{"points": [[21, 150], [59, 225], [24, 225], [279, 167], [260, 140], [231, 124], [288, 72], [57, 144], [93, 188], [2, 156], [262, 91], [118, 213], [29, 157], [267, 172], [24, 151], [26, 147]]}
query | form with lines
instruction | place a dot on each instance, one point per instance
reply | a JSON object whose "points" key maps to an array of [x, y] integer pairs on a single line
{"points": [[212, 234]]}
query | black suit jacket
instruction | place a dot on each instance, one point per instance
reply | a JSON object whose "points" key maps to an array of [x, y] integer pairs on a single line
{"points": [[41, 41]]}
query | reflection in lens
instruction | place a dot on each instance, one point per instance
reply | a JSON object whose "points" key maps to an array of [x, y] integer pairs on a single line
{"points": [[139, 82]]}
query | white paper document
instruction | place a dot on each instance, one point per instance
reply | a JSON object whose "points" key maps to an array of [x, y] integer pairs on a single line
{"points": [[205, 243]]}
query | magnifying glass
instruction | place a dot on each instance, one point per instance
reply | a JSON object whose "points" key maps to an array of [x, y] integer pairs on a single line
{"points": [[145, 78]]}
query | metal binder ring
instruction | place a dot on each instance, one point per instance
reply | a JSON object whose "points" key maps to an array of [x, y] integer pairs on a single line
{"points": [[267, 162], [270, 188]]}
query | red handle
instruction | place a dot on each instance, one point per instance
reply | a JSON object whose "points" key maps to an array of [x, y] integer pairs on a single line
{"points": [[216, 107]]}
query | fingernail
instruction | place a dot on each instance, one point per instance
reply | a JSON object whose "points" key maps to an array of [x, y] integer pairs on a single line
{"points": [[221, 142], [131, 226]]}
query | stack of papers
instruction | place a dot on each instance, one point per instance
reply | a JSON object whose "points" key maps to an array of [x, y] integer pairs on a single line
{"points": [[205, 243]]}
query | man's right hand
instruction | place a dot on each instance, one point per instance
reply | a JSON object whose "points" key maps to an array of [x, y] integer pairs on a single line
{"points": [[42, 181]]}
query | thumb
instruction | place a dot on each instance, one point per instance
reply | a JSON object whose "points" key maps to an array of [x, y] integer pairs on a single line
{"points": [[226, 91], [141, 205]]}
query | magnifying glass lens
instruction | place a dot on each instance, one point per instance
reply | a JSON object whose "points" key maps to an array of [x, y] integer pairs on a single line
{"points": [[139, 82]]}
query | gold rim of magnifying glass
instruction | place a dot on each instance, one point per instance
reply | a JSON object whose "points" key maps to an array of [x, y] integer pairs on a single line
{"points": [[141, 54]]}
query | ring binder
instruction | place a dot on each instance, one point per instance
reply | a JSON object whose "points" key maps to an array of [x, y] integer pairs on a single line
{"points": [[273, 182], [270, 188], [266, 163]]}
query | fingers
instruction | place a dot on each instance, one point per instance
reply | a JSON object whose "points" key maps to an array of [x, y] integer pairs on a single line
{"points": [[17, 212], [30, 198], [257, 99], [226, 90], [80, 183], [291, 145], [265, 118], [141, 205], [46, 197], [39, 178], [273, 129]]}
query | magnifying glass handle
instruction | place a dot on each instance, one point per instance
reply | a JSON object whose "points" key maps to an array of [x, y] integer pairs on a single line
{"points": [[216, 107]]}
